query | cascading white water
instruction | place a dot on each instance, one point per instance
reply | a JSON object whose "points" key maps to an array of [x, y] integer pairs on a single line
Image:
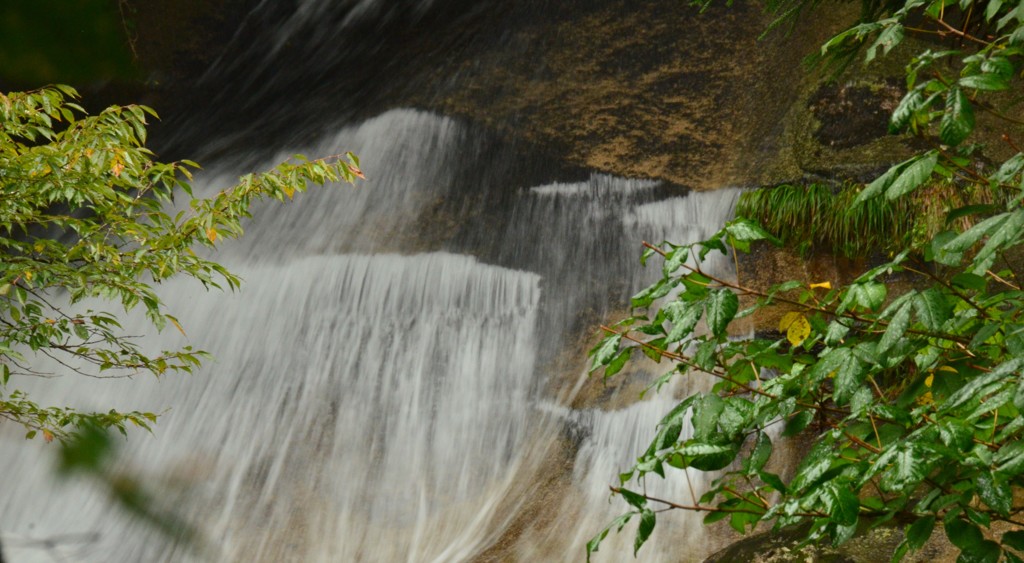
{"points": [[372, 406], [379, 394]]}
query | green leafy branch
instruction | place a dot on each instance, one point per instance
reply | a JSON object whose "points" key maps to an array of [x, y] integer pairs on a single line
{"points": [[912, 398], [86, 212]]}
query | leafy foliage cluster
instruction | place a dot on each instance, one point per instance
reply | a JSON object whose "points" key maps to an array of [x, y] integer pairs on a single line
{"points": [[914, 401], [87, 213]]}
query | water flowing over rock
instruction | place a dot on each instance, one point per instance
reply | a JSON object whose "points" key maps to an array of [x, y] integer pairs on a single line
{"points": [[402, 376]]}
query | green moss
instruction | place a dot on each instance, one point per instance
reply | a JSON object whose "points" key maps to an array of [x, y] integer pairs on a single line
{"points": [[816, 216]]}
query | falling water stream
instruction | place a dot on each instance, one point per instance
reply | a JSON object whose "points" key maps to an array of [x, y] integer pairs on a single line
{"points": [[390, 382]]}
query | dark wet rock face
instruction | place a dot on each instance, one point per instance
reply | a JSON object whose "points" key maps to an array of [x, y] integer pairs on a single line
{"points": [[854, 114]]}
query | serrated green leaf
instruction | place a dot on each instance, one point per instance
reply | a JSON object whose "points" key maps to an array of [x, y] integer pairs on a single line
{"points": [[667, 435], [868, 295], [760, 454], [841, 504], [814, 465], [705, 355], [773, 481], [648, 295], [829, 363], [891, 36], [995, 492], [684, 317], [647, 522], [618, 524], [992, 8], [706, 410], [634, 499], [722, 306], [836, 332], [973, 388], [879, 185], [740, 520], [709, 457], [798, 422], [1009, 169], [913, 175], [848, 379], [742, 229], [958, 119], [904, 112], [956, 434], [932, 309], [968, 238], [919, 532], [967, 280], [1006, 234], [986, 82], [1010, 459], [617, 363], [896, 329], [654, 348], [910, 464], [1014, 539], [713, 517], [605, 351]]}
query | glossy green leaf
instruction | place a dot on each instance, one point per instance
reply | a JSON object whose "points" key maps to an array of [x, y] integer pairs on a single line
{"points": [[647, 522], [1014, 539], [987, 82], [995, 492], [932, 308], [841, 504], [684, 317], [867, 295], [760, 454], [605, 351], [722, 306], [617, 363], [897, 328], [913, 175], [918, 533], [958, 119], [742, 229], [617, 524], [634, 499]]}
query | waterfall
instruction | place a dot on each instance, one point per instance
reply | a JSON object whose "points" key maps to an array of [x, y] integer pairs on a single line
{"points": [[390, 384]]}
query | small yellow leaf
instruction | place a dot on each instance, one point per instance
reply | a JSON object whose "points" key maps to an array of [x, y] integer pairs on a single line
{"points": [[796, 327], [288, 191], [211, 234], [117, 167], [28, 275], [47, 435], [174, 321], [50, 321], [927, 398], [823, 285], [38, 247]]}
